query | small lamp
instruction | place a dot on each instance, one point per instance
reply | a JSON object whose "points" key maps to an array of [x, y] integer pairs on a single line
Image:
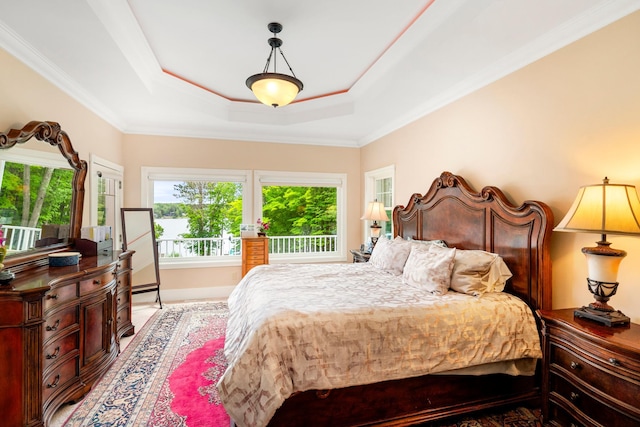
{"points": [[375, 212], [606, 209]]}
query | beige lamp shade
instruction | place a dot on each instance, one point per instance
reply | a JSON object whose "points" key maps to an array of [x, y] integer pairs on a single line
{"points": [[605, 209], [375, 212]]}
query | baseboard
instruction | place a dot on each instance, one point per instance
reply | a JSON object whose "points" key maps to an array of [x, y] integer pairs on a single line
{"points": [[190, 294]]}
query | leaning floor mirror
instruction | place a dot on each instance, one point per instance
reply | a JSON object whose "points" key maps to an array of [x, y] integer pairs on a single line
{"points": [[138, 235]]}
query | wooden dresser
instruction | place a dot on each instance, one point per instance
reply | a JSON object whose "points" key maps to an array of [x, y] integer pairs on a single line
{"points": [[255, 251], [591, 372], [60, 330]]}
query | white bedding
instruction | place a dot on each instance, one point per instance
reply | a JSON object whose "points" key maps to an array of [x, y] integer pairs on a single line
{"points": [[322, 326]]}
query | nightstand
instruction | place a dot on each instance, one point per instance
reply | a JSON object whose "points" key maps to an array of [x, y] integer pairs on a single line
{"points": [[359, 256], [255, 251], [591, 372]]}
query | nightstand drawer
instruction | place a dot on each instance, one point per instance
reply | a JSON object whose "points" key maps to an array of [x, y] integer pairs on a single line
{"points": [[581, 399], [607, 376], [590, 372]]}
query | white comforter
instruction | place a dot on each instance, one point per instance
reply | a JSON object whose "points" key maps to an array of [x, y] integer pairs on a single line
{"points": [[301, 327]]}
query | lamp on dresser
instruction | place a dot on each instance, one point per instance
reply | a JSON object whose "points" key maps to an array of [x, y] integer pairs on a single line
{"points": [[604, 209], [375, 212]]}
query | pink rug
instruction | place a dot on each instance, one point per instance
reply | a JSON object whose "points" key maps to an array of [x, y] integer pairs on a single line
{"points": [[166, 376]]}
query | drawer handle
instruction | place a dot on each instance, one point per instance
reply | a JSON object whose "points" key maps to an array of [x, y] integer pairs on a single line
{"points": [[574, 396], [54, 355], [575, 365], [55, 382], [614, 361], [97, 282], [52, 296], [54, 327]]}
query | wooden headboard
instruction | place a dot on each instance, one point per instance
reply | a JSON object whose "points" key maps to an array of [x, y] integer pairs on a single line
{"points": [[452, 211]]}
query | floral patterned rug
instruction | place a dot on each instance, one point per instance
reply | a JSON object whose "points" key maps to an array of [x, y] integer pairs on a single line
{"points": [[167, 374]]}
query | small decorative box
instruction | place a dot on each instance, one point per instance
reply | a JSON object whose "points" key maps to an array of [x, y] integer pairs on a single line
{"points": [[62, 259]]}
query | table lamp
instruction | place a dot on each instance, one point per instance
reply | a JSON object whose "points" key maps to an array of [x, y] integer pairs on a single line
{"points": [[375, 212], [605, 209]]}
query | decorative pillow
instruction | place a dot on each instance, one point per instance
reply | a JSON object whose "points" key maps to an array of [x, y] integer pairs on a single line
{"points": [[440, 243], [429, 266], [390, 255], [476, 272]]}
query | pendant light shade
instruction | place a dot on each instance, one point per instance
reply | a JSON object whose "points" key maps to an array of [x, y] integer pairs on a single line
{"points": [[273, 88]]}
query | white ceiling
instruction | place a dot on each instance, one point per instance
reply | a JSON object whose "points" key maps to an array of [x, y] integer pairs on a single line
{"points": [[178, 67]]}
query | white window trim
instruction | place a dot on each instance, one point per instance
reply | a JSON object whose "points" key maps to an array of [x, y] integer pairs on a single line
{"points": [[370, 178], [35, 157], [149, 173], [309, 179]]}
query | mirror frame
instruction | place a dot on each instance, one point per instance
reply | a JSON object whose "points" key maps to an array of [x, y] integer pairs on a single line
{"points": [[134, 235], [51, 133]]}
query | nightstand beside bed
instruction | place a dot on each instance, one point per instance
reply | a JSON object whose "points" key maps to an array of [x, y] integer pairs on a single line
{"points": [[591, 372]]}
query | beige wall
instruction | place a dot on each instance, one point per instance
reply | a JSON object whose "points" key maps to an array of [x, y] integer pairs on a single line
{"points": [[160, 151], [26, 96], [568, 120]]}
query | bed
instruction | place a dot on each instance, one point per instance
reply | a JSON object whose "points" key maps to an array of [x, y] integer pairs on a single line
{"points": [[282, 371]]}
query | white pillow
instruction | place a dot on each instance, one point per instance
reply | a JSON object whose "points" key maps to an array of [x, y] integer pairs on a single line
{"points": [[390, 255], [429, 267], [440, 243], [476, 272]]}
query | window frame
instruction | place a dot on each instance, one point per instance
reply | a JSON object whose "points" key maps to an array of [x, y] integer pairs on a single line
{"points": [[150, 174], [307, 179], [370, 194]]}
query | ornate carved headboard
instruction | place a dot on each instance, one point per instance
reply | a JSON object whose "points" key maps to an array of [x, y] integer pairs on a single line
{"points": [[452, 211]]}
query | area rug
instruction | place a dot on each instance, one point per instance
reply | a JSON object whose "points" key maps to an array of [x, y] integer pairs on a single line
{"points": [[167, 374]]}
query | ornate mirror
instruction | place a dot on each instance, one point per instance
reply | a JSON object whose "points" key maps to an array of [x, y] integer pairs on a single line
{"points": [[40, 205]]}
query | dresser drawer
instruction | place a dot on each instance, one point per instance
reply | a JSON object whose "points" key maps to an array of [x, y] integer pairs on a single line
{"points": [[60, 320], [123, 297], [94, 283], [59, 295], [255, 250], [580, 399], [605, 375], [60, 347], [124, 265], [122, 317], [60, 378]]}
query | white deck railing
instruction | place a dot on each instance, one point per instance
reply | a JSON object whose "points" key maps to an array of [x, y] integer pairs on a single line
{"points": [[219, 246], [19, 238]]}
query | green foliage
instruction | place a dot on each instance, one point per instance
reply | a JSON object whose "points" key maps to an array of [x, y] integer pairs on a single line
{"points": [[168, 210], [300, 211], [158, 229], [56, 206], [211, 208]]}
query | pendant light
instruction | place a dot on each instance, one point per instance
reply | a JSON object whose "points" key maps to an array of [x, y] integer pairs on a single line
{"points": [[273, 88]]}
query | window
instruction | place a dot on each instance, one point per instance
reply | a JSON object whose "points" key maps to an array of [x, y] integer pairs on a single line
{"points": [[197, 213], [306, 212], [379, 186], [105, 179]]}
